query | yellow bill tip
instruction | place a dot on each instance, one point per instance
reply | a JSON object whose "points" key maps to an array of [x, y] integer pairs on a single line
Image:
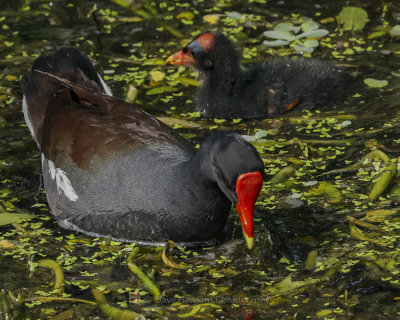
{"points": [[171, 59], [249, 241]]}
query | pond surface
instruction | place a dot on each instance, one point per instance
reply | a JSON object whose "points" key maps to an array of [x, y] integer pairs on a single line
{"points": [[327, 224]]}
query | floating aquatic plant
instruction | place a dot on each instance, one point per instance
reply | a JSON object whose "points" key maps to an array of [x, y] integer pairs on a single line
{"points": [[353, 19], [302, 37]]}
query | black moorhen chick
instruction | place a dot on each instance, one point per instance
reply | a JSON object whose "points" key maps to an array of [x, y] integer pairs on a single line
{"points": [[110, 169], [265, 90]]}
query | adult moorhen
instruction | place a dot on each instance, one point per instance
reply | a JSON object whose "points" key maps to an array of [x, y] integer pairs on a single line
{"points": [[110, 169], [265, 90]]}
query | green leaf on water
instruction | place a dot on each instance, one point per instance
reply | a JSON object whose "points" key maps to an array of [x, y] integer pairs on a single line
{"points": [[379, 215], [235, 15], [383, 182], [283, 175], [286, 27], [8, 217], [313, 34], [287, 285], [353, 18], [395, 191], [361, 235], [328, 191], [279, 35], [311, 43], [276, 43], [186, 15], [374, 83], [395, 32], [348, 51], [216, 120], [300, 48], [212, 18], [260, 134], [123, 3], [161, 89], [309, 25]]}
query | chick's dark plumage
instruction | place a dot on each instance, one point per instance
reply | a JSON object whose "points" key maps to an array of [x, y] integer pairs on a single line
{"points": [[264, 90]]}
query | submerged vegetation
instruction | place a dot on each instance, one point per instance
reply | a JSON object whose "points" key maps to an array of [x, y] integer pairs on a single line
{"points": [[327, 221]]}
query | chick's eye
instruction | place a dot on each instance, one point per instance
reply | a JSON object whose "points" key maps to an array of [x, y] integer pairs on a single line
{"points": [[193, 53], [190, 51]]}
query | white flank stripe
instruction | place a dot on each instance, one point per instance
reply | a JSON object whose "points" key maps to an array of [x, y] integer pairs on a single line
{"points": [[27, 120], [105, 86], [62, 181]]}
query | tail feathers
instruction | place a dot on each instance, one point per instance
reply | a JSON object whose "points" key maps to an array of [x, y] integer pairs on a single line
{"points": [[67, 63]]}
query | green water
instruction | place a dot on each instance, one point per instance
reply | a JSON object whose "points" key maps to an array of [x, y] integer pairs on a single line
{"points": [[355, 270]]}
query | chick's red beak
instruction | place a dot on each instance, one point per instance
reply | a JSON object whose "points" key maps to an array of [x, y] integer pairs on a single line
{"points": [[248, 187], [181, 59]]}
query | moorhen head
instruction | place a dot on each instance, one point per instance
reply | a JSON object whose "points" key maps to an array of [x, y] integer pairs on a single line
{"points": [[111, 169], [264, 90]]}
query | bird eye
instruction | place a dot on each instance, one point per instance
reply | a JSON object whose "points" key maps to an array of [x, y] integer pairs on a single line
{"points": [[228, 182], [193, 53], [189, 51]]}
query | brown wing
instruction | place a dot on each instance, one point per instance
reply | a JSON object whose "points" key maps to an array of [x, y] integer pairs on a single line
{"points": [[82, 123]]}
